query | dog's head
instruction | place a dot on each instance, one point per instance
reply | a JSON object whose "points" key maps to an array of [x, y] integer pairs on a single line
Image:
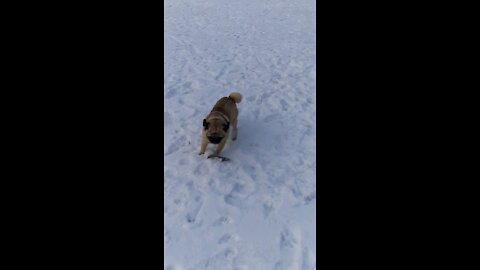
{"points": [[216, 129]]}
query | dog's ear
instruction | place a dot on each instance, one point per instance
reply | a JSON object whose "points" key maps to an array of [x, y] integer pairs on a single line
{"points": [[225, 127], [205, 124]]}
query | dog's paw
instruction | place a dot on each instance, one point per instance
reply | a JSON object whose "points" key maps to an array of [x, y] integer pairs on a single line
{"points": [[201, 153]]}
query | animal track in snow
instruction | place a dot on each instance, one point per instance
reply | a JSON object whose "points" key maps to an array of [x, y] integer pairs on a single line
{"points": [[227, 238], [224, 259], [171, 93], [271, 118], [175, 146], [194, 208], [223, 221], [239, 192], [290, 250]]}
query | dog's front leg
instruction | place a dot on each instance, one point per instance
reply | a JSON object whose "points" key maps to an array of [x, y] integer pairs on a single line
{"points": [[220, 146], [203, 144]]}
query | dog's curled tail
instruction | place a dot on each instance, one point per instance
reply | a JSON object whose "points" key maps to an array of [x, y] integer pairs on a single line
{"points": [[237, 97]]}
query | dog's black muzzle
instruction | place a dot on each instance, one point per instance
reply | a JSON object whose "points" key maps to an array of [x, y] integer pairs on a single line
{"points": [[215, 140]]}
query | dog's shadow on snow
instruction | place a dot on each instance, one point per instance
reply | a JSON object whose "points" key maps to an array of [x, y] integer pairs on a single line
{"points": [[256, 136]]}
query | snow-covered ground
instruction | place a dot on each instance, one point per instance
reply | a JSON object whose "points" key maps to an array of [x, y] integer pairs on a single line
{"points": [[258, 210]]}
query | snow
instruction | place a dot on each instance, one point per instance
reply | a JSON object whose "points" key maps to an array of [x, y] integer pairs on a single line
{"points": [[258, 210]]}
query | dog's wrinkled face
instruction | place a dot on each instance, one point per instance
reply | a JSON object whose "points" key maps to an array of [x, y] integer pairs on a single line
{"points": [[215, 129]]}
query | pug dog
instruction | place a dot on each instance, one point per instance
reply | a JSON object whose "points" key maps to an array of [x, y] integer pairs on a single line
{"points": [[217, 124]]}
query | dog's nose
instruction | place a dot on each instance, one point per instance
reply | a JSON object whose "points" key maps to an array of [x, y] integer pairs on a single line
{"points": [[215, 140]]}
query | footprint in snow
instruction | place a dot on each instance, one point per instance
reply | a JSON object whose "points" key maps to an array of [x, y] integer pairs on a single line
{"points": [[227, 238], [194, 207], [175, 146], [290, 250], [201, 169], [223, 260], [171, 93], [271, 118], [230, 253], [250, 98], [223, 221], [238, 194], [268, 208], [308, 259], [310, 197]]}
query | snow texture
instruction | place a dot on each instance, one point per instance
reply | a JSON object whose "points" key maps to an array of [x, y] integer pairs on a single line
{"points": [[258, 210]]}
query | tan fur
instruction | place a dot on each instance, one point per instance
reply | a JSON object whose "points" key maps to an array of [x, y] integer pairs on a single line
{"points": [[225, 111]]}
